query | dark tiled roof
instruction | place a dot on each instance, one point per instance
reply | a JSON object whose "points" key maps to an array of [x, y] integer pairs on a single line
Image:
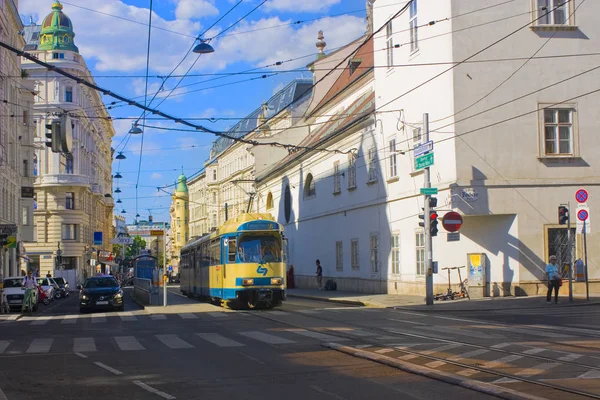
{"points": [[31, 34]]}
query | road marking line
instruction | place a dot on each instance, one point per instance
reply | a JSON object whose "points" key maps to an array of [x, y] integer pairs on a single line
{"points": [[441, 348], [567, 329], [461, 320], [435, 364], [266, 338], [352, 332], [2, 395], [188, 316], [155, 391], [217, 314], [461, 332], [316, 335], [503, 360], [81, 355], [593, 374], [275, 313], [501, 345], [174, 342], [469, 354], [157, 317], [128, 343], [411, 313], [219, 340], [4, 345], [529, 372], [106, 367], [81, 345], [363, 346], [69, 319], [40, 345], [570, 357], [534, 350], [383, 351], [127, 316], [42, 320], [467, 372], [98, 318], [405, 321]]}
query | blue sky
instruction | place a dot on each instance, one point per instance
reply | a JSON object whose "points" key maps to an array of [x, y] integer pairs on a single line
{"points": [[115, 51]]}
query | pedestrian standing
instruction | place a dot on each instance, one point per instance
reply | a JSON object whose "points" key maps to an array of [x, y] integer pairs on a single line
{"points": [[319, 275], [554, 280]]}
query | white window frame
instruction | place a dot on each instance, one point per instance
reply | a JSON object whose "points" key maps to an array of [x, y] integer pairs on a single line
{"points": [[372, 164], [337, 183], [573, 125], [69, 231], [389, 44], [354, 255], [395, 253], [549, 20], [420, 261], [351, 171], [413, 27], [339, 256], [374, 252], [393, 171]]}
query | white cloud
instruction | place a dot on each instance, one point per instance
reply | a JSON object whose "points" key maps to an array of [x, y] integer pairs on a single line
{"points": [[300, 5], [189, 9], [156, 175]]}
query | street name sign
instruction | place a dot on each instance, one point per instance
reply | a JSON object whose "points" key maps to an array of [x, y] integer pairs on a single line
{"points": [[429, 191], [421, 149], [122, 240], [423, 161]]}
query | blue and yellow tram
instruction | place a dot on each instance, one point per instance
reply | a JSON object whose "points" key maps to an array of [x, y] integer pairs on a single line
{"points": [[241, 261]]}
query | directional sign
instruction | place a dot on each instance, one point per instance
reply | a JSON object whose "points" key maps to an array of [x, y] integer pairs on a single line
{"points": [[423, 161], [581, 195], [154, 232], [583, 218], [423, 148], [452, 221], [122, 240], [8, 229]]}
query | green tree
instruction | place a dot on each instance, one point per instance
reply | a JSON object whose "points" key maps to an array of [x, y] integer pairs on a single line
{"points": [[134, 248]]}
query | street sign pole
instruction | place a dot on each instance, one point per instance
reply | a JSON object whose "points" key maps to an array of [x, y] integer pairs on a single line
{"points": [[569, 253], [165, 270], [427, 220], [587, 282]]}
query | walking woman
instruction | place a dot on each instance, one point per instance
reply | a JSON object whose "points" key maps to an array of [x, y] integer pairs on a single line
{"points": [[554, 279]]}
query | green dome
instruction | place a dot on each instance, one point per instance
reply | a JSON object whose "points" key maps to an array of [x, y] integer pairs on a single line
{"points": [[57, 31], [182, 184]]}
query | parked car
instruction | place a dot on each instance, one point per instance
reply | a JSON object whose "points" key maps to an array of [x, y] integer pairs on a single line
{"points": [[48, 286], [63, 286], [100, 292], [14, 293]]}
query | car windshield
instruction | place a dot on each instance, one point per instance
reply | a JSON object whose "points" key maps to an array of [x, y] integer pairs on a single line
{"points": [[100, 283], [60, 281], [8, 283], [259, 248]]}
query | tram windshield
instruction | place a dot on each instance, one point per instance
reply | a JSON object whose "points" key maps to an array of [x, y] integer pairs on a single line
{"points": [[259, 248]]}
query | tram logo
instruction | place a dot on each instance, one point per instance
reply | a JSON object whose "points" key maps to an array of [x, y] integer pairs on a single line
{"points": [[262, 270]]}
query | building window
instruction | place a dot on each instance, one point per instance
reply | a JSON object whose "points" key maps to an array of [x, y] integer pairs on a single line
{"points": [[558, 132], [70, 201], [420, 252], [69, 232], [214, 220], [214, 198], [389, 44], [353, 65], [354, 254], [416, 135], [339, 257], [57, 56], [309, 187], [372, 165], [25, 216], [178, 222], [25, 117], [69, 94], [66, 163], [35, 165], [269, 201], [337, 186], [393, 155], [26, 168], [374, 253], [214, 174], [287, 203], [178, 236], [395, 254], [351, 171], [414, 29], [558, 245], [553, 12]]}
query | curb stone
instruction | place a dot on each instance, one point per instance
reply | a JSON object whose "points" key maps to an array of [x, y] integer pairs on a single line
{"points": [[482, 387], [340, 301]]}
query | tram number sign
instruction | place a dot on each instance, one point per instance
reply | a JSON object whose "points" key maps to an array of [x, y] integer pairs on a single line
{"points": [[452, 221]]}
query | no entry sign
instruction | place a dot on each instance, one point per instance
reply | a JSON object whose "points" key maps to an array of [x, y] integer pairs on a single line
{"points": [[452, 221]]}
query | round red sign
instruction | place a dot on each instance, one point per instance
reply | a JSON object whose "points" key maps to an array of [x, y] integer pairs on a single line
{"points": [[452, 221]]}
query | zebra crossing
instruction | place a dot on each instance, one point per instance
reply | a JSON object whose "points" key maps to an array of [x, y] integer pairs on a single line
{"points": [[188, 340]]}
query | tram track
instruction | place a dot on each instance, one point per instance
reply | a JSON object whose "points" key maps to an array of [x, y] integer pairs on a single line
{"points": [[495, 372]]}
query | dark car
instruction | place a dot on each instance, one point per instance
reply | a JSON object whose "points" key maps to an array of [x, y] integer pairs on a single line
{"points": [[63, 286], [100, 293]]}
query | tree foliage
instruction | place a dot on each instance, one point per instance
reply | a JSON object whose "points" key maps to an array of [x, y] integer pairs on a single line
{"points": [[134, 248]]}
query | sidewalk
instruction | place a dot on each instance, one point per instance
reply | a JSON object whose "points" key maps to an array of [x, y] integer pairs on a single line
{"points": [[179, 304], [417, 303]]}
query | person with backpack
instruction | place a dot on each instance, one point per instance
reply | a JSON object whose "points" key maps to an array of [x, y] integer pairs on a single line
{"points": [[29, 283], [319, 275]]}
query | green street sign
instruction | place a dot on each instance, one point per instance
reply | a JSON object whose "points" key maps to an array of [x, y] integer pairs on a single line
{"points": [[429, 191], [423, 161]]}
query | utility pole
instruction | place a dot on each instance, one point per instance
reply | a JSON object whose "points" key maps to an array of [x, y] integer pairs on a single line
{"points": [[165, 267], [569, 256], [427, 221]]}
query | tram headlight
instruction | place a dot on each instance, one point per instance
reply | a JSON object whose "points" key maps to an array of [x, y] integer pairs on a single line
{"points": [[275, 281], [248, 282]]}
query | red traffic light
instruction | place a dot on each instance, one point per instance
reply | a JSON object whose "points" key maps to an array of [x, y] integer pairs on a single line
{"points": [[433, 215]]}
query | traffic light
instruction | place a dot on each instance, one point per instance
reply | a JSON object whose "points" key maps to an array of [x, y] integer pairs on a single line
{"points": [[422, 216], [53, 133], [563, 215], [433, 217], [432, 202]]}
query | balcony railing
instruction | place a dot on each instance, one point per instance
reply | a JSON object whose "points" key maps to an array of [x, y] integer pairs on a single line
{"points": [[63, 179]]}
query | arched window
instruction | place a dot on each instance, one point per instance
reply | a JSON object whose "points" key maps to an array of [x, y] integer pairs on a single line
{"points": [[309, 186], [287, 203], [269, 201]]}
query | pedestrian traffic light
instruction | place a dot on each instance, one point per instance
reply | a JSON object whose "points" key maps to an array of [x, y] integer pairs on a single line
{"points": [[563, 215], [433, 222], [53, 133]]}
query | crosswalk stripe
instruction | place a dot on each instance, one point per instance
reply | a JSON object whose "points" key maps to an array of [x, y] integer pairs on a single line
{"points": [[188, 316], [503, 360], [352, 332], [266, 338], [529, 372], [128, 343], [127, 316], [4, 345], [461, 332], [570, 357], [174, 342], [217, 314], [98, 318], [469, 354], [534, 350], [435, 364], [593, 374], [84, 345], [41, 320], [40, 345], [467, 372], [316, 335], [69, 319], [157, 317], [219, 340]]}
